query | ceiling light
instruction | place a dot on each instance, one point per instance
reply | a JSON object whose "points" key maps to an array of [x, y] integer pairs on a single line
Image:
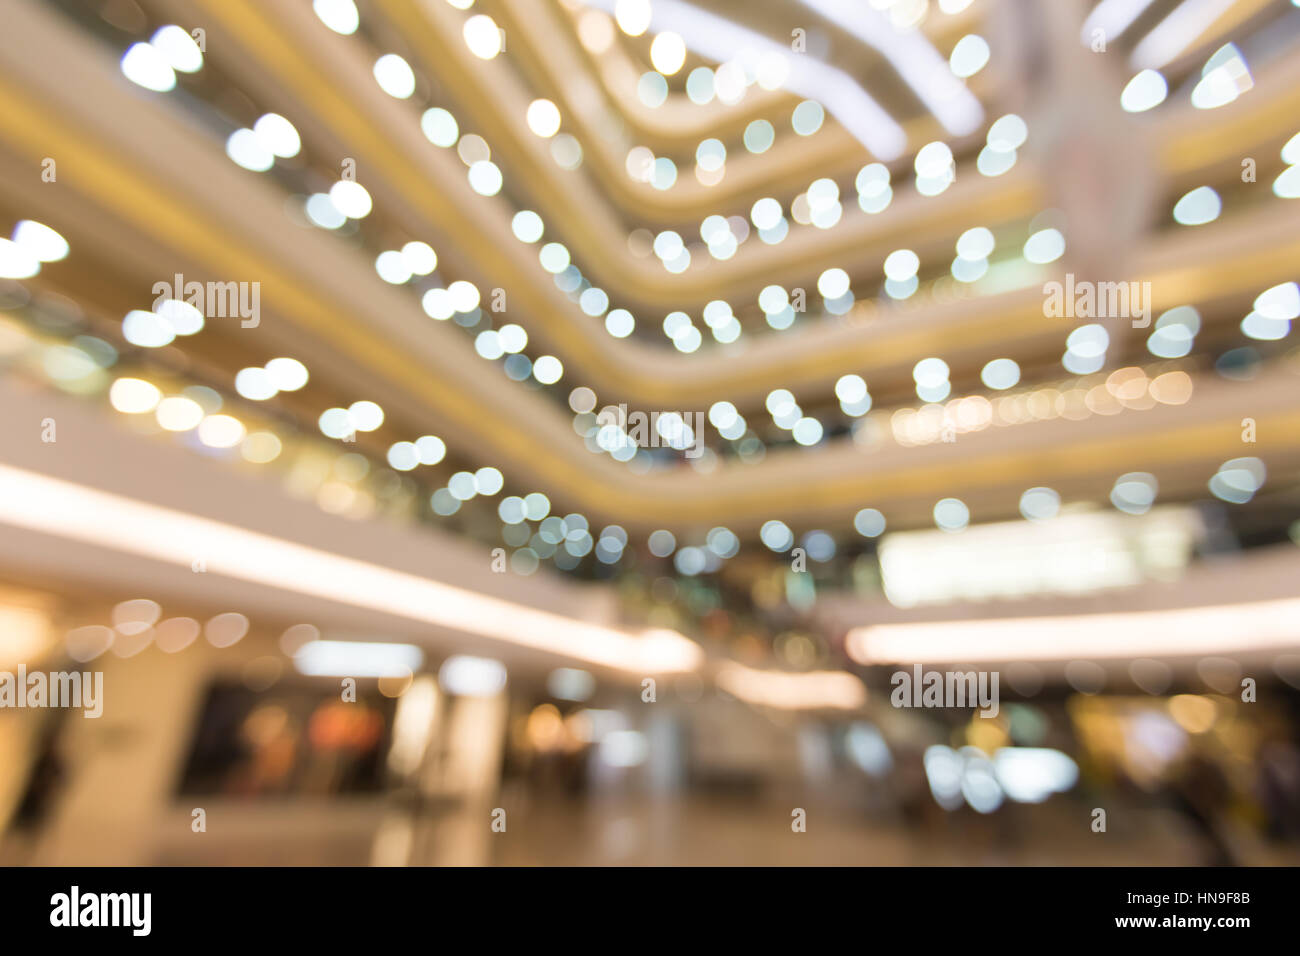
{"points": [[178, 48], [901, 265], [482, 36], [134, 396], [357, 659], [969, 56], [468, 676], [543, 118], [1217, 629], [668, 53], [791, 690], [84, 514], [177, 414], [350, 198], [40, 240], [633, 16], [278, 135], [1145, 91], [143, 65], [339, 15]]}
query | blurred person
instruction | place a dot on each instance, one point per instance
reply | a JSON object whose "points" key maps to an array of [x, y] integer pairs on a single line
{"points": [[45, 781]]}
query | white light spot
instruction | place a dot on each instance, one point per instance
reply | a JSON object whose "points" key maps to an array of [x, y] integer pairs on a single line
{"points": [[851, 389], [177, 414], [668, 53], [869, 523], [1040, 504], [134, 396], [969, 55], [321, 210], [288, 375], [1007, 134], [145, 329], [431, 449], [548, 369], [394, 76], [247, 149], [178, 49], [1000, 374], [221, 431], [339, 15], [951, 514], [633, 16], [40, 240], [350, 198], [1198, 207], [620, 323], [419, 257], [482, 36], [485, 178], [143, 65], [1046, 245], [543, 118], [439, 127], [365, 416], [1282, 302], [901, 265], [403, 456], [776, 535], [975, 244], [392, 267], [527, 226], [1145, 91], [464, 295], [933, 161], [255, 384], [807, 117], [278, 135], [930, 372], [1134, 493]]}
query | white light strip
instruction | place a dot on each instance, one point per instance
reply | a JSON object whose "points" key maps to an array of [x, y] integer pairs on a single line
{"points": [[790, 690], [1176, 32], [719, 39], [357, 659], [49, 505], [1112, 18], [914, 58], [1217, 629]]}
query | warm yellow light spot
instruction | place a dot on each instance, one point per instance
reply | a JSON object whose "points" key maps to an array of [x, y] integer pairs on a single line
{"points": [[1194, 714]]}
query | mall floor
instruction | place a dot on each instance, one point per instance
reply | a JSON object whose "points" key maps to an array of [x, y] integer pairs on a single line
{"points": [[704, 831]]}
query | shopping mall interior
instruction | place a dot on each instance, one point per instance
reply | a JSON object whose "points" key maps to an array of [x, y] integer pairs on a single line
{"points": [[649, 432]]}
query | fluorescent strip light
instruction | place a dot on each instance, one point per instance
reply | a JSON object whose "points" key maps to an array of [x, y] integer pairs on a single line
{"points": [[914, 58], [357, 659], [1217, 629], [1070, 554], [789, 690], [1176, 32], [49, 505], [468, 676], [718, 39]]}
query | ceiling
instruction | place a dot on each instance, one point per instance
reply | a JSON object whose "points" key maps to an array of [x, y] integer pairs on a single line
{"points": [[696, 226]]}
